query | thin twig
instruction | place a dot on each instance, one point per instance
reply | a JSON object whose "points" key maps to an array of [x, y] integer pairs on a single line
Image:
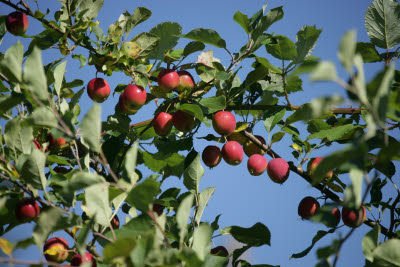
{"points": [[151, 214]]}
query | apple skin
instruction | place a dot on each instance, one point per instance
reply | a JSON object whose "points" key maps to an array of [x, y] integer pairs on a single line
{"points": [[17, 23], [27, 210], [183, 121], [335, 215], [98, 90], [211, 156], [278, 170], [186, 81], [162, 123], [158, 208], [250, 148], [62, 246], [312, 165], [232, 152], [308, 207], [224, 122], [77, 259], [123, 106], [168, 80], [115, 222], [257, 164], [55, 142], [353, 218], [220, 249], [133, 97], [238, 137], [37, 144]]}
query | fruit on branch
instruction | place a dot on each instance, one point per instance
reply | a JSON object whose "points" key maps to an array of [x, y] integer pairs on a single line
{"points": [[353, 218], [123, 106], [37, 144], [211, 156], [168, 80], [186, 81], [257, 164], [17, 23], [56, 249], [334, 217], [162, 123], [308, 207], [278, 170], [98, 90], [232, 152], [115, 222], [238, 137], [158, 208], [250, 148], [133, 98], [78, 260], [60, 141], [312, 165], [183, 121], [27, 210], [224, 122], [220, 251]]}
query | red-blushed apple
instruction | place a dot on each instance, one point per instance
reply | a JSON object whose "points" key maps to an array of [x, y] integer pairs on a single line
{"points": [[238, 137], [17, 23], [78, 260], [257, 164], [27, 210], [224, 122], [232, 152], [123, 107], [334, 217], [308, 207], [211, 156], [186, 81], [353, 218], [134, 97], [162, 123], [115, 222], [312, 165], [220, 251], [60, 141], [250, 148], [158, 208], [37, 144], [98, 90], [278, 170], [183, 121], [168, 80], [56, 249]]}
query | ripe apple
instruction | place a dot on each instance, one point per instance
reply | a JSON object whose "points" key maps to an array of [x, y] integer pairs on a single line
{"points": [[186, 81], [238, 137], [220, 251], [60, 141], [162, 123], [224, 122], [123, 106], [256, 164], [353, 218], [115, 222], [133, 97], [278, 170], [334, 217], [308, 207], [232, 152], [168, 80], [17, 23], [183, 121], [98, 90], [158, 208], [27, 210], [77, 259], [211, 156], [250, 148], [56, 249], [313, 163]]}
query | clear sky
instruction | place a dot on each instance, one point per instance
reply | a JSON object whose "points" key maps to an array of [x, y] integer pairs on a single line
{"points": [[241, 198]]}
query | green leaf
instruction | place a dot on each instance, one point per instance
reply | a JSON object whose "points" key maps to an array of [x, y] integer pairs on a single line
{"points": [[144, 194], [83, 235], [193, 47], [165, 163], [368, 52], [276, 137], [80, 180], [9, 101], [206, 36], [272, 116], [59, 76], [90, 8], [169, 33], [138, 16], [337, 133], [3, 29], [352, 194], [359, 79], [130, 163], [42, 117], [46, 224], [324, 71], [259, 73], [320, 234], [382, 21], [32, 170], [204, 197], [370, 242], [121, 247], [306, 40], [91, 128], [268, 65], [213, 104], [262, 23], [18, 136], [255, 236], [182, 216], [12, 62], [202, 241], [193, 171], [381, 99], [387, 254], [243, 21], [282, 48], [347, 49], [81, 59], [147, 43], [97, 204], [34, 76], [192, 109]]}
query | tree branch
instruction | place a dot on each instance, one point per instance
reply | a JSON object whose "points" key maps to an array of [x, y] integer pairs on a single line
{"points": [[266, 107]]}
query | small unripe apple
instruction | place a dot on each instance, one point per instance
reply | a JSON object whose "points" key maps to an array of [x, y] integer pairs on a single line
{"points": [[183, 121], [115, 222], [278, 170], [60, 141], [158, 208], [17, 23], [353, 218], [232, 152], [256, 164], [308, 207], [334, 217], [56, 249], [238, 137], [220, 251], [250, 148], [77, 259], [133, 97], [27, 210], [168, 80], [162, 123], [123, 107], [224, 122], [98, 90], [312, 165], [211, 156], [186, 81]]}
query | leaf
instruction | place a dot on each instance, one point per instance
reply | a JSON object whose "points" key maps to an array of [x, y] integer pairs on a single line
{"points": [[3, 28], [98, 206], [34, 76], [276, 137], [83, 235], [370, 242], [352, 194], [337, 133], [144, 194], [193, 171], [206, 36], [368, 52], [259, 73], [213, 104], [165, 163], [138, 16], [262, 23], [193, 47], [121, 247], [42, 117], [59, 76], [381, 99], [282, 48], [147, 42], [18, 136], [32, 170], [46, 224], [242, 20], [324, 71], [7, 247], [382, 21], [320, 234], [80, 180], [12, 62], [91, 128], [272, 116], [81, 59], [204, 197], [182, 216], [169, 33], [90, 8], [202, 241], [130, 49], [7, 102], [192, 109], [387, 254], [130, 163], [255, 236], [306, 40], [347, 49]]}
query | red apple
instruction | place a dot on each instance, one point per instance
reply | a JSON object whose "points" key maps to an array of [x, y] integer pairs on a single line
{"points": [[133, 97], [58, 247], [232, 152], [27, 210], [186, 81], [224, 122], [158, 208], [250, 148], [256, 164], [312, 165], [220, 251], [115, 222], [308, 207], [168, 80], [162, 123], [123, 106], [211, 156], [98, 90], [353, 218], [278, 170], [17, 23], [238, 137], [183, 121], [334, 217], [37, 144], [60, 141], [77, 259]]}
